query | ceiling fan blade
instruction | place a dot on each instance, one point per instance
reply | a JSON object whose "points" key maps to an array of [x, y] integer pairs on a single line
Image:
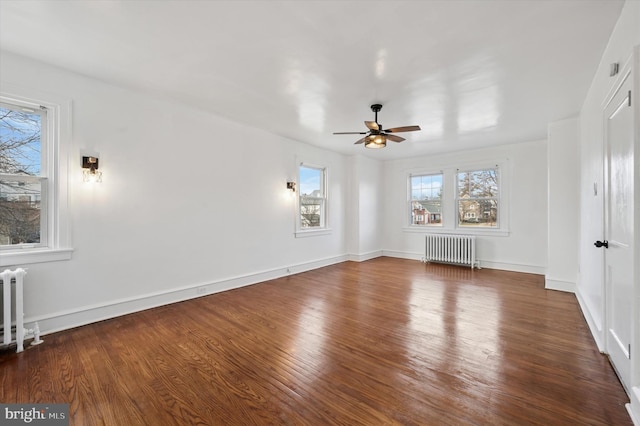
{"points": [[394, 138], [360, 141], [349, 133], [403, 129], [372, 125]]}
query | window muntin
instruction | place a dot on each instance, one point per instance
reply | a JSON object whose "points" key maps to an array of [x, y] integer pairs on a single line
{"points": [[23, 176], [478, 198], [55, 237], [312, 200], [425, 204]]}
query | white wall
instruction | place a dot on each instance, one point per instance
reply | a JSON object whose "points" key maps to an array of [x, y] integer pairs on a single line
{"points": [[188, 200], [590, 289], [365, 208], [192, 204], [591, 284], [563, 202], [523, 249]]}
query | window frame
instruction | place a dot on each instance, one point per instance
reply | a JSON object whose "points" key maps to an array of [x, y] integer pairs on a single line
{"points": [[449, 199], [498, 198], [55, 242], [410, 199], [324, 228], [40, 179]]}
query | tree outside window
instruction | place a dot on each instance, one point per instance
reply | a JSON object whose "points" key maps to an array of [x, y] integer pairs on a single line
{"points": [[21, 179], [478, 195]]}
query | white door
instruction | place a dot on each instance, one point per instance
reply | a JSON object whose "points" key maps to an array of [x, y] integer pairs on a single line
{"points": [[619, 228]]}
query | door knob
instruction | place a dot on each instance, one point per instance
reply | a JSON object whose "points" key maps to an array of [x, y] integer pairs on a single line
{"points": [[604, 244]]}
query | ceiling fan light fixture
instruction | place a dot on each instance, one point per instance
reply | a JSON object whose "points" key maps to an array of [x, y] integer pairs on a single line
{"points": [[376, 142]]}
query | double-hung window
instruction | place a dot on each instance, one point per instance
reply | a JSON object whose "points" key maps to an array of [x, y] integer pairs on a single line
{"points": [[312, 203], [34, 137], [478, 198], [425, 203], [471, 200], [24, 185]]}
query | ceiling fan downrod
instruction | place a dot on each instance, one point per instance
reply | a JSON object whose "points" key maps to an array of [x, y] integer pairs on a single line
{"points": [[375, 108]]}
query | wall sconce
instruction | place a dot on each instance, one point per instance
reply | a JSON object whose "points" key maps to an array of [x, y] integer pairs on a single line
{"points": [[90, 172], [291, 186]]}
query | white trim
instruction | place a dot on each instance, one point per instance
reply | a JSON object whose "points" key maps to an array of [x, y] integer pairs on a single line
{"points": [[312, 232], [501, 199], [449, 207], [560, 285], [592, 323], [324, 214], [514, 267], [457, 231], [403, 255], [59, 140], [484, 264], [38, 255], [64, 320], [365, 256], [633, 407]]}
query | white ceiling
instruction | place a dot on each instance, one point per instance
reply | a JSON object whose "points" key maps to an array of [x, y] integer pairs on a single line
{"points": [[471, 73]]}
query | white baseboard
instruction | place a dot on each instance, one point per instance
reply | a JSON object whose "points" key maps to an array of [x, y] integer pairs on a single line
{"points": [[64, 320], [633, 408], [560, 285], [365, 256], [513, 267], [595, 326], [403, 255]]}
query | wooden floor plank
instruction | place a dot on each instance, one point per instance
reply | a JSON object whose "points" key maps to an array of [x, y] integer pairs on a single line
{"points": [[383, 342]]}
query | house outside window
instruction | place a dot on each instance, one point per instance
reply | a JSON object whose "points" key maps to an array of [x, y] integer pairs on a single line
{"points": [[478, 198], [473, 200], [313, 198], [35, 130], [425, 203], [24, 181]]}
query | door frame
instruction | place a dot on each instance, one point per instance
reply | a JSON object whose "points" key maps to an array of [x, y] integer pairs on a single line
{"points": [[633, 407], [627, 74]]}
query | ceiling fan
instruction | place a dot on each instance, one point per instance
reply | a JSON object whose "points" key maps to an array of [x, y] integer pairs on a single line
{"points": [[376, 137]]}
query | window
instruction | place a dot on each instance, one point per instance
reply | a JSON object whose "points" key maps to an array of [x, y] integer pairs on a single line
{"points": [[477, 198], [425, 204], [33, 177], [313, 198], [23, 176], [472, 200]]}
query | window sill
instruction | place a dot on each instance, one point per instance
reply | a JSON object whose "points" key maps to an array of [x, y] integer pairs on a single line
{"points": [[457, 231], [312, 232], [29, 256]]}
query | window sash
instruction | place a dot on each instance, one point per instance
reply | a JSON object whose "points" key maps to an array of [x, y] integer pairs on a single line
{"points": [[420, 215], [42, 178], [312, 208], [41, 205], [478, 219]]}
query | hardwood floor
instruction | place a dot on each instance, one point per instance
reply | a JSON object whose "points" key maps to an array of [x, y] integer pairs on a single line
{"points": [[382, 342]]}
